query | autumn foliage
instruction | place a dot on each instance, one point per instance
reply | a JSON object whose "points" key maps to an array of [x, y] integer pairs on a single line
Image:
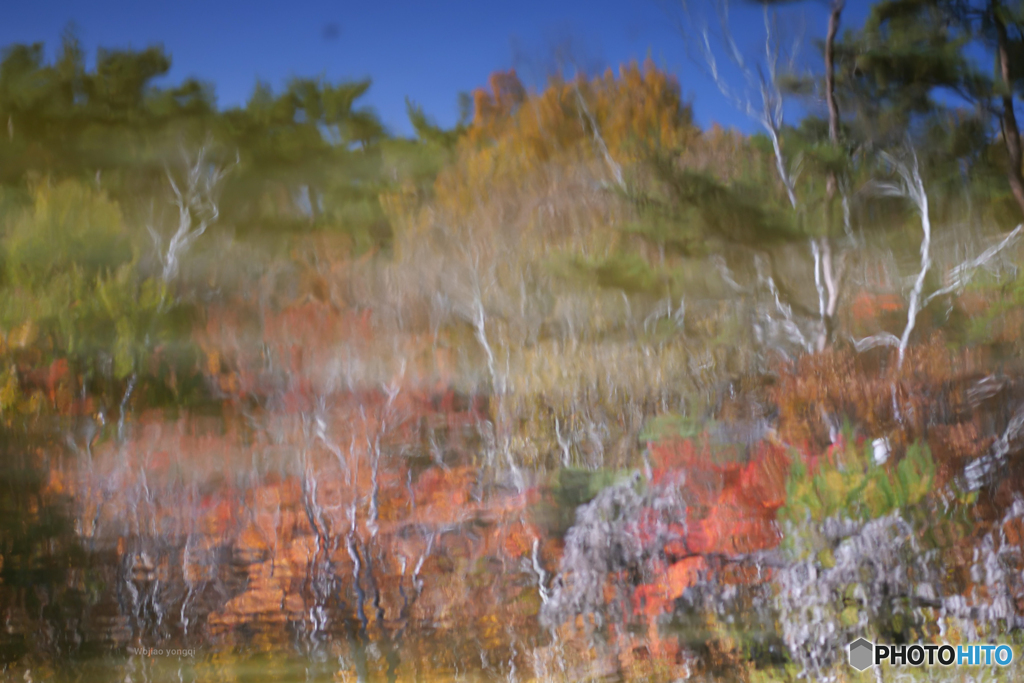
{"points": [[731, 513], [432, 410], [516, 134]]}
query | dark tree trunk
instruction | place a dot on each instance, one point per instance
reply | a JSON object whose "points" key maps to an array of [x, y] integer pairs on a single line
{"points": [[833, 135], [830, 70], [1008, 119]]}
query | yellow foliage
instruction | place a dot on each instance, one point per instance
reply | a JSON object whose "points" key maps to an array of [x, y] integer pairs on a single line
{"points": [[69, 225], [515, 134], [24, 335], [10, 392]]}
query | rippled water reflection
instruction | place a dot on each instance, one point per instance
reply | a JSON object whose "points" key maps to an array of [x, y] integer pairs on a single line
{"points": [[353, 543]]}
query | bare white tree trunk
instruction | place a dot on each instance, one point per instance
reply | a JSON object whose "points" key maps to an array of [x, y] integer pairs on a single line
{"points": [[961, 275], [613, 166], [958, 278], [196, 201], [770, 115], [468, 284], [827, 283], [910, 186], [480, 330]]}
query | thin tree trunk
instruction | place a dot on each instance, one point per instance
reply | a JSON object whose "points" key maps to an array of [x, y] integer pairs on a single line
{"points": [[825, 248], [1008, 120], [830, 72], [830, 89]]}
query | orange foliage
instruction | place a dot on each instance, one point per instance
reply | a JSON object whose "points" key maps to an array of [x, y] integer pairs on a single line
{"points": [[431, 521], [55, 383], [640, 105], [514, 133], [731, 511], [863, 388], [651, 599], [507, 92], [869, 307]]}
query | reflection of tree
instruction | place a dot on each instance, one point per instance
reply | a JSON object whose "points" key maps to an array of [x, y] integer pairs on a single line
{"points": [[765, 76], [195, 199], [692, 542], [46, 580], [859, 550], [886, 581]]}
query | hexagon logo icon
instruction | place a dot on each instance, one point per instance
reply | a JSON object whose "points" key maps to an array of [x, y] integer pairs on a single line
{"points": [[861, 654]]}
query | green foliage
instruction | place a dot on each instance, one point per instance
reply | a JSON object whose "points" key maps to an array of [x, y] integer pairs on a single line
{"points": [[849, 484], [107, 324], [63, 120], [70, 225], [905, 51], [621, 270], [130, 309], [578, 487], [628, 272], [672, 426], [911, 50], [73, 290], [1005, 296], [571, 488], [308, 155], [429, 132], [692, 212]]}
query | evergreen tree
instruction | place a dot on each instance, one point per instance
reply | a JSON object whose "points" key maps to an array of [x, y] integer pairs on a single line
{"points": [[910, 49]]}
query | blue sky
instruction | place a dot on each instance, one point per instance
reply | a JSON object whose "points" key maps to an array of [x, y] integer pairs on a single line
{"points": [[428, 51]]}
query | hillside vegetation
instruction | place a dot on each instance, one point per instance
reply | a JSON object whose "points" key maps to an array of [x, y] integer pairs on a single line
{"points": [[573, 389]]}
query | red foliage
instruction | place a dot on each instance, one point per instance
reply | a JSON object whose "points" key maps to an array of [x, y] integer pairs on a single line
{"points": [[869, 307], [731, 511], [53, 380]]}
